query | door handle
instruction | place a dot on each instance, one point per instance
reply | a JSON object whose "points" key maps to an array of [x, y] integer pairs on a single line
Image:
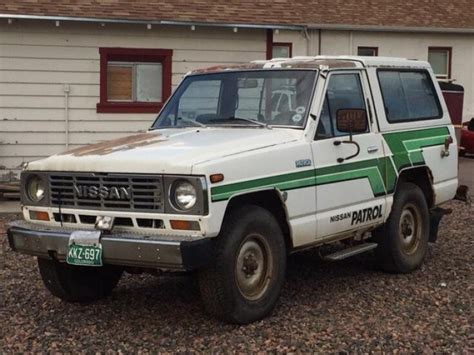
{"points": [[372, 149]]}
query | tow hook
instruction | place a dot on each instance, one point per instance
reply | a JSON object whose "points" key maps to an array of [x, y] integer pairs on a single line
{"points": [[436, 214]]}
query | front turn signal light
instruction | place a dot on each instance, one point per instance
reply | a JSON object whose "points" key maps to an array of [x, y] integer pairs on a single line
{"points": [[39, 215], [184, 225]]}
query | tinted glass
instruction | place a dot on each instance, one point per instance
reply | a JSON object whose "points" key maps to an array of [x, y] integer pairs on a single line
{"points": [[344, 91], [409, 96], [367, 51]]}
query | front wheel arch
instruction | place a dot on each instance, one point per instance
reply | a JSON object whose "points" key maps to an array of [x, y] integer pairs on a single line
{"points": [[273, 200]]}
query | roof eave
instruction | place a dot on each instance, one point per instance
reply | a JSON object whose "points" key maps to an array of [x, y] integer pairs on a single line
{"points": [[151, 22], [378, 28]]}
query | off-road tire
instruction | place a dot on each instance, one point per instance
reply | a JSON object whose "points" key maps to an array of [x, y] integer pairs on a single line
{"points": [[78, 283], [394, 252], [219, 284]]}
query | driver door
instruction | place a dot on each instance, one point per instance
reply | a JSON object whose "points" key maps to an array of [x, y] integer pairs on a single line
{"points": [[350, 193]]}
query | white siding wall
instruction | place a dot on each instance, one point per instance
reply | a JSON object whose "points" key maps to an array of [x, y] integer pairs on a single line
{"points": [[394, 44], [412, 46], [38, 59]]}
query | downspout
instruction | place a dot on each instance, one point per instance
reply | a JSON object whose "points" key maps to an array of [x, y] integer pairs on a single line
{"points": [[307, 37], [320, 38], [66, 90], [351, 42]]}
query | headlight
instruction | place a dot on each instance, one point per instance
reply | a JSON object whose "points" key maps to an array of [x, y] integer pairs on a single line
{"points": [[35, 188], [183, 195]]}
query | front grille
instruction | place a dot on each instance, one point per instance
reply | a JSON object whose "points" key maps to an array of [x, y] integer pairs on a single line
{"points": [[116, 192]]}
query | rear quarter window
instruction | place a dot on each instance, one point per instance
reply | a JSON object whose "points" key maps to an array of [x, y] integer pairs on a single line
{"points": [[409, 95]]}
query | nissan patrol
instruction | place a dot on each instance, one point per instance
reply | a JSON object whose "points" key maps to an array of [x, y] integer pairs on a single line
{"points": [[227, 185]]}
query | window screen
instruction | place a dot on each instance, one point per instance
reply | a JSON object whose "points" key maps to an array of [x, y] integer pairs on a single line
{"points": [[281, 50], [408, 96], [440, 61], [134, 82]]}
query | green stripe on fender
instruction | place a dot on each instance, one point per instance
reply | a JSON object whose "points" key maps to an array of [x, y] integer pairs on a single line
{"points": [[368, 169], [407, 146]]}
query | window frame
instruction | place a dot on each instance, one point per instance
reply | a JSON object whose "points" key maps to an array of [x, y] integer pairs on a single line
{"points": [[134, 55], [410, 70], [374, 49], [449, 51], [289, 45], [365, 95]]}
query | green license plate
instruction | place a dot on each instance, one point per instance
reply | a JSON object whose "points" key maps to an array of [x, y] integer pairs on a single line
{"points": [[84, 255]]}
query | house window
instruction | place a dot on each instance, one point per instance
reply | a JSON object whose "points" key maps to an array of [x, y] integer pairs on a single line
{"points": [[368, 51], [134, 80], [281, 50], [440, 60]]}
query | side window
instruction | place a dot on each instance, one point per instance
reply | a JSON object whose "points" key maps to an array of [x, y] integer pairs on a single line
{"points": [[408, 96], [344, 91]]}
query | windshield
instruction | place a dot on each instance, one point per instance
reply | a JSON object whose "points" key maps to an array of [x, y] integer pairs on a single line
{"points": [[252, 98]]}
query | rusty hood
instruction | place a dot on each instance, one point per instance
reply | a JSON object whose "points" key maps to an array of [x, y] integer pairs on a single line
{"points": [[169, 151]]}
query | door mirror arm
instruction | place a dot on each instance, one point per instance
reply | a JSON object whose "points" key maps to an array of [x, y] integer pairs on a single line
{"points": [[350, 141]]}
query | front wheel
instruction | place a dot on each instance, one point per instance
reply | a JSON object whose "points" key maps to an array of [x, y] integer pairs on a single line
{"points": [[78, 283], [245, 281], [403, 241]]}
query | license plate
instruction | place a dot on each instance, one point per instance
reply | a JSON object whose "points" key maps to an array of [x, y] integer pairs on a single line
{"points": [[84, 255]]}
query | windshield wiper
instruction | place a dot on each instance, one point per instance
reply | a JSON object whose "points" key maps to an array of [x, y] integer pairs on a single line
{"points": [[196, 123], [233, 118], [191, 121]]}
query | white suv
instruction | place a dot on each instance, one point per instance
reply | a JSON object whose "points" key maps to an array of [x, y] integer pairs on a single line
{"points": [[224, 185]]}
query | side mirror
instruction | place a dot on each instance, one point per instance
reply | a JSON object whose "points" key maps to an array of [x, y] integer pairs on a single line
{"points": [[352, 120]]}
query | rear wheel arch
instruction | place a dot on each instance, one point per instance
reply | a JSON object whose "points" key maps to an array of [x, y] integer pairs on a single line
{"points": [[422, 177], [270, 199]]}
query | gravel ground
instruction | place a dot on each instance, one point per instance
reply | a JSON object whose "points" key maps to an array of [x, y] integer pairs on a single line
{"points": [[339, 307]]}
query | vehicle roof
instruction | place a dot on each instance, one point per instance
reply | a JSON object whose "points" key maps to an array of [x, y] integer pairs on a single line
{"points": [[320, 62]]}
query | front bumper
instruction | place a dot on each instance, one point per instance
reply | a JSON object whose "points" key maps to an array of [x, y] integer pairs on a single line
{"points": [[175, 253]]}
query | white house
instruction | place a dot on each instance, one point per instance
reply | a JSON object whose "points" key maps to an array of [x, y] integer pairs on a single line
{"points": [[73, 73]]}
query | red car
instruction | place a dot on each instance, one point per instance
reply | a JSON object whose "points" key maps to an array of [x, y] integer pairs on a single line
{"points": [[467, 138]]}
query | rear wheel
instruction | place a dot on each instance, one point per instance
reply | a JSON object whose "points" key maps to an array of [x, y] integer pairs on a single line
{"points": [[244, 283], [403, 241], [78, 283]]}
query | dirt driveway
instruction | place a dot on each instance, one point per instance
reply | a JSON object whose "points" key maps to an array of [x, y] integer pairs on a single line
{"points": [[346, 306]]}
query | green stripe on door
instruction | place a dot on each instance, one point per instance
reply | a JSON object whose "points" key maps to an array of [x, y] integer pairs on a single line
{"points": [[368, 169], [406, 148]]}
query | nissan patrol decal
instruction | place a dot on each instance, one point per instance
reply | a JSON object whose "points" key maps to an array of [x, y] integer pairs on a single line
{"points": [[359, 216]]}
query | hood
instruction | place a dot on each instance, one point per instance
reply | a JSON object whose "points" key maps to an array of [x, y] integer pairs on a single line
{"points": [[171, 151]]}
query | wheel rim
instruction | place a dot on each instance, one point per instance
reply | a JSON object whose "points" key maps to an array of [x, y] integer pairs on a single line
{"points": [[254, 267], [410, 229]]}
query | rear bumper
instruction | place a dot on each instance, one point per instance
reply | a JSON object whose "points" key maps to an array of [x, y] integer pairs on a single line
{"points": [[120, 249]]}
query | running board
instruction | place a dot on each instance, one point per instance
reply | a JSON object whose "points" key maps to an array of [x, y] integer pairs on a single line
{"points": [[348, 252]]}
